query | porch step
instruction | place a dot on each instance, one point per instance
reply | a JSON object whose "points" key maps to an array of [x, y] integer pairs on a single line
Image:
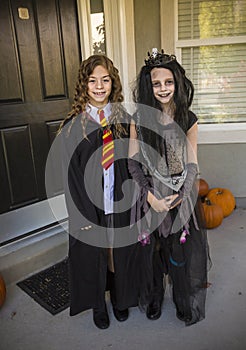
{"points": [[29, 255]]}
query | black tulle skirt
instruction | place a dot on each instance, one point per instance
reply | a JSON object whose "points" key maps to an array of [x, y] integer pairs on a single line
{"points": [[186, 265]]}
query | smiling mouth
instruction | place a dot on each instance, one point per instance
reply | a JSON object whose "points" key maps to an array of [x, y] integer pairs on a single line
{"points": [[166, 94], [99, 94]]}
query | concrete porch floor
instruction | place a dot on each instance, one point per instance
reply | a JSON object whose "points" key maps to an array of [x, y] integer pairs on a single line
{"points": [[25, 325]]}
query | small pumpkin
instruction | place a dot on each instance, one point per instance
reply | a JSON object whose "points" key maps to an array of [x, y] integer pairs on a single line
{"points": [[213, 213], [224, 198], [203, 188], [2, 291]]}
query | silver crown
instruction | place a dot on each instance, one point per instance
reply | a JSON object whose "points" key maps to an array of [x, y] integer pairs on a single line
{"points": [[158, 58]]}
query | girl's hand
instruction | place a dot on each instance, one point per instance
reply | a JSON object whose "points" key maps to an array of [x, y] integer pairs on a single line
{"points": [[159, 205], [173, 200], [164, 204], [176, 199]]}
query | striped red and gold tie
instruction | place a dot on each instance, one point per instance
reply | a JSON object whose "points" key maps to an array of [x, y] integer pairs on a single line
{"points": [[108, 143]]}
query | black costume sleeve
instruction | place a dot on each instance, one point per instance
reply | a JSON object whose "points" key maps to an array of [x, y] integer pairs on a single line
{"points": [[192, 172], [188, 196], [136, 172], [192, 119]]}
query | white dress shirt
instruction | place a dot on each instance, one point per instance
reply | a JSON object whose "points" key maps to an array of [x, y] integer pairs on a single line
{"points": [[108, 175]]}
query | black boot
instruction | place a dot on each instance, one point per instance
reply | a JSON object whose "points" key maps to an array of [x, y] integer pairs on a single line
{"points": [[100, 317], [153, 311], [120, 315]]}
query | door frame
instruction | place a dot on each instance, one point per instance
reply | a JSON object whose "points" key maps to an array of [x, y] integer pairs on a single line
{"points": [[120, 47], [120, 38]]}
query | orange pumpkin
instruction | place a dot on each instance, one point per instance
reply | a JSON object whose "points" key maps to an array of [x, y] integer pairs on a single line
{"points": [[203, 188], [2, 291], [213, 214], [224, 198]]}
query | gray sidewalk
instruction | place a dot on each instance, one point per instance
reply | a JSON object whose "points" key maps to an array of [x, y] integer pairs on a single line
{"points": [[24, 324]]}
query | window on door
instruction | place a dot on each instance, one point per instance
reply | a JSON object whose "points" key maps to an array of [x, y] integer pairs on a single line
{"points": [[97, 27], [212, 40]]}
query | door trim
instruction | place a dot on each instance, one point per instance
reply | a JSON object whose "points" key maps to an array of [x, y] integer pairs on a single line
{"points": [[119, 21], [30, 219], [120, 38]]}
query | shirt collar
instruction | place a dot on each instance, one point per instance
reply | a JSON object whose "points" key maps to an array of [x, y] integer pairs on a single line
{"points": [[92, 110]]}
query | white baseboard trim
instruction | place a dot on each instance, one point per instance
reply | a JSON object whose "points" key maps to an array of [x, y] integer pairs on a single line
{"points": [[22, 258]]}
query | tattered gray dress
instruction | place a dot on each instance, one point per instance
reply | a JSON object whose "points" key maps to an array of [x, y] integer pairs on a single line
{"points": [[186, 263]]}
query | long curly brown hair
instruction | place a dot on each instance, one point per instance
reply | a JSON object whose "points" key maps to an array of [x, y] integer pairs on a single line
{"points": [[81, 97]]}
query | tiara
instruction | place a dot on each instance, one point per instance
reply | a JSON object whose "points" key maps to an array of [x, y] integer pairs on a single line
{"points": [[157, 58]]}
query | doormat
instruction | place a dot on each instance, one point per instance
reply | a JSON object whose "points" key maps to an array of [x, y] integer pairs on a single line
{"points": [[49, 288]]}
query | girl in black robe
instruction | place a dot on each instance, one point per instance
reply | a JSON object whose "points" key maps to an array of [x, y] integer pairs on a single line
{"points": [[168, 212], [102, 248]]}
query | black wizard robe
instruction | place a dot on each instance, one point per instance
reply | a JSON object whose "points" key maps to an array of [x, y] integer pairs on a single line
{"points": [[88, 240]]}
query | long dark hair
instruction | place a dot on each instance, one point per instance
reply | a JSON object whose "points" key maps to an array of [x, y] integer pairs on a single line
{"points": [[143, 95], [183, 94]]}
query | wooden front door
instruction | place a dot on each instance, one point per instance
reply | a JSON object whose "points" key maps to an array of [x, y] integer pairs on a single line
{"points": [[39, 61]]}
